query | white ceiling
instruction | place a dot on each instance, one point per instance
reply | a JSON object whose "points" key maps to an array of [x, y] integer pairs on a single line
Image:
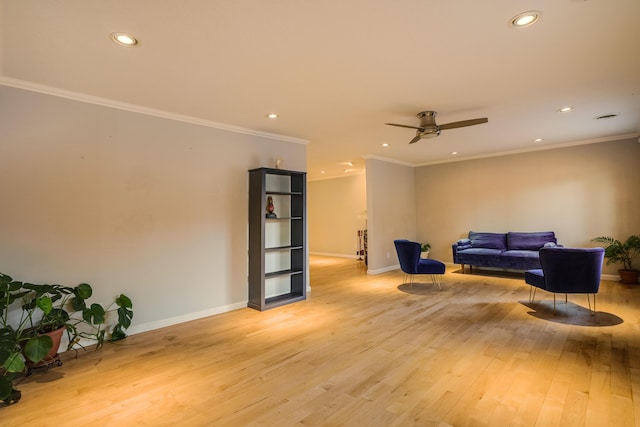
{"points": [[337, 70]]}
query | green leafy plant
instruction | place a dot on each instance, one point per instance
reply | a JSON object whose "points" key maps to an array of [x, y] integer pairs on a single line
{"points": [[616, 251], [27, 311], [425, 247]]}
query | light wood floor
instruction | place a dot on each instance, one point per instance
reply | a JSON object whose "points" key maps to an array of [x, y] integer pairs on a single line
{"points": [[364, 351]]}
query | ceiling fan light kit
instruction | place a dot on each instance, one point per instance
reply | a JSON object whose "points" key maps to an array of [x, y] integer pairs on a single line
{"points": [[429, 129]]}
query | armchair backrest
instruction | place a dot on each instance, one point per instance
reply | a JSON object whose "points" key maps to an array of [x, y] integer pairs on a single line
{"points": [[572, 270], [408, 255]]}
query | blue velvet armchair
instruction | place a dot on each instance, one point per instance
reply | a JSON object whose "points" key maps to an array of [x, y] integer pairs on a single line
{"points": [[567, 271], [411, 263]]}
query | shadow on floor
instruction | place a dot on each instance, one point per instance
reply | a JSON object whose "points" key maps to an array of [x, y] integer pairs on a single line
{"points": [[420, 288], [570, 314]]}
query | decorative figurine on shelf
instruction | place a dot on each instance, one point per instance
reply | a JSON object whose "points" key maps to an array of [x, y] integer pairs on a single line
{"points": [[271, 213]]}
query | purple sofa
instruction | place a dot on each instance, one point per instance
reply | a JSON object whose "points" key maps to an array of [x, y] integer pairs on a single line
{"points": [[512, 250]]}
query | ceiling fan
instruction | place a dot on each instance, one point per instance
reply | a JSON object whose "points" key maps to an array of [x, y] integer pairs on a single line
{"points": [[429, 129]]}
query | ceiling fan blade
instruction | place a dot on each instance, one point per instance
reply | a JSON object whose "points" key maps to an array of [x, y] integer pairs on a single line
{"points": [[404, 126], [416, 138], [464, 123]]}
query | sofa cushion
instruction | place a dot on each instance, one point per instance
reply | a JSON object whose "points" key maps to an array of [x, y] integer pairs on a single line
{"points": [[481, 257], [529, 241], [521, 254], [482, 251], [488, 240]]}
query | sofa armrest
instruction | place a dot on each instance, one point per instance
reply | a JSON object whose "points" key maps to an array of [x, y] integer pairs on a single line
{"points": [[460, 245], [454, 251]]}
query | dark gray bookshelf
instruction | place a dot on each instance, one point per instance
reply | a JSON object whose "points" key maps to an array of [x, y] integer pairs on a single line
{"points": [[277, 245]]}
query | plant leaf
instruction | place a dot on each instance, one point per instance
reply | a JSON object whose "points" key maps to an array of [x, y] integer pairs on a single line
{"points": [[45, 304], [124, 317], [94, 314], [117, 334], [84, 291], [124, 301], [6, 387], [38, 347], [14, 363], [78, 303]]}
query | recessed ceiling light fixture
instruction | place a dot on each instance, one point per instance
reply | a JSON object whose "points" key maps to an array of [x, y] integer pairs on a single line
{"points": [[565, 109], [385, 144], [454, 153], [272, 116], [525, 19], [538, 140], [124, 39]]}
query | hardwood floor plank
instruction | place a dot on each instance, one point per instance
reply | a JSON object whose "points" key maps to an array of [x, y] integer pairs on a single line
{"points": [[369, 351]]}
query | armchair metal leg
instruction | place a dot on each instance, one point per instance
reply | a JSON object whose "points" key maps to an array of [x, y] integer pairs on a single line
{"points": [[554, 303], [435, 279], [593, 312], [532, 293]]}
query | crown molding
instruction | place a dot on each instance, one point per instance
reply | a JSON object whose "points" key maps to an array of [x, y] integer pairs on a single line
{"points": [[386, 159], [110, 103], [532, 149]]}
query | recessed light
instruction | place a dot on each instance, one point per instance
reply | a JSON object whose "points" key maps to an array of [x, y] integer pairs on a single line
{"points": [[525, 19], [453, 153], [538, 140], [323, 171], [565, 109], [272, 116], [384, 144], [124, 39]]}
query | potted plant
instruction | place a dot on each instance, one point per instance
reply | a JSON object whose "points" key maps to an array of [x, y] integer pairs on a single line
{"points": [[425, 247], [33, 318], [622, 252]]}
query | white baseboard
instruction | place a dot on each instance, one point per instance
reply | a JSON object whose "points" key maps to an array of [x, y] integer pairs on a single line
{"points": [[150, 326], [383, 269]]}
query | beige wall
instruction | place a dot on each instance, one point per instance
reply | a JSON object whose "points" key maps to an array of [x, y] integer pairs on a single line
{"points": [[579, 192], [130, 203], [335, 208], [391, 211]]}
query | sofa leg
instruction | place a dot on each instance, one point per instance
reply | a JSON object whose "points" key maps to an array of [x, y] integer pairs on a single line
{"points": [[462, 268]]}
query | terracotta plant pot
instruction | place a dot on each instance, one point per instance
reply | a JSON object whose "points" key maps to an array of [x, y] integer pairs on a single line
{"points": [[52, 357], [629, 277]]}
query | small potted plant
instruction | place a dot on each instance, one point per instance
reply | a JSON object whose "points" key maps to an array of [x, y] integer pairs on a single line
{"points": [[34, 317], [626, 252], [425, 247]]}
